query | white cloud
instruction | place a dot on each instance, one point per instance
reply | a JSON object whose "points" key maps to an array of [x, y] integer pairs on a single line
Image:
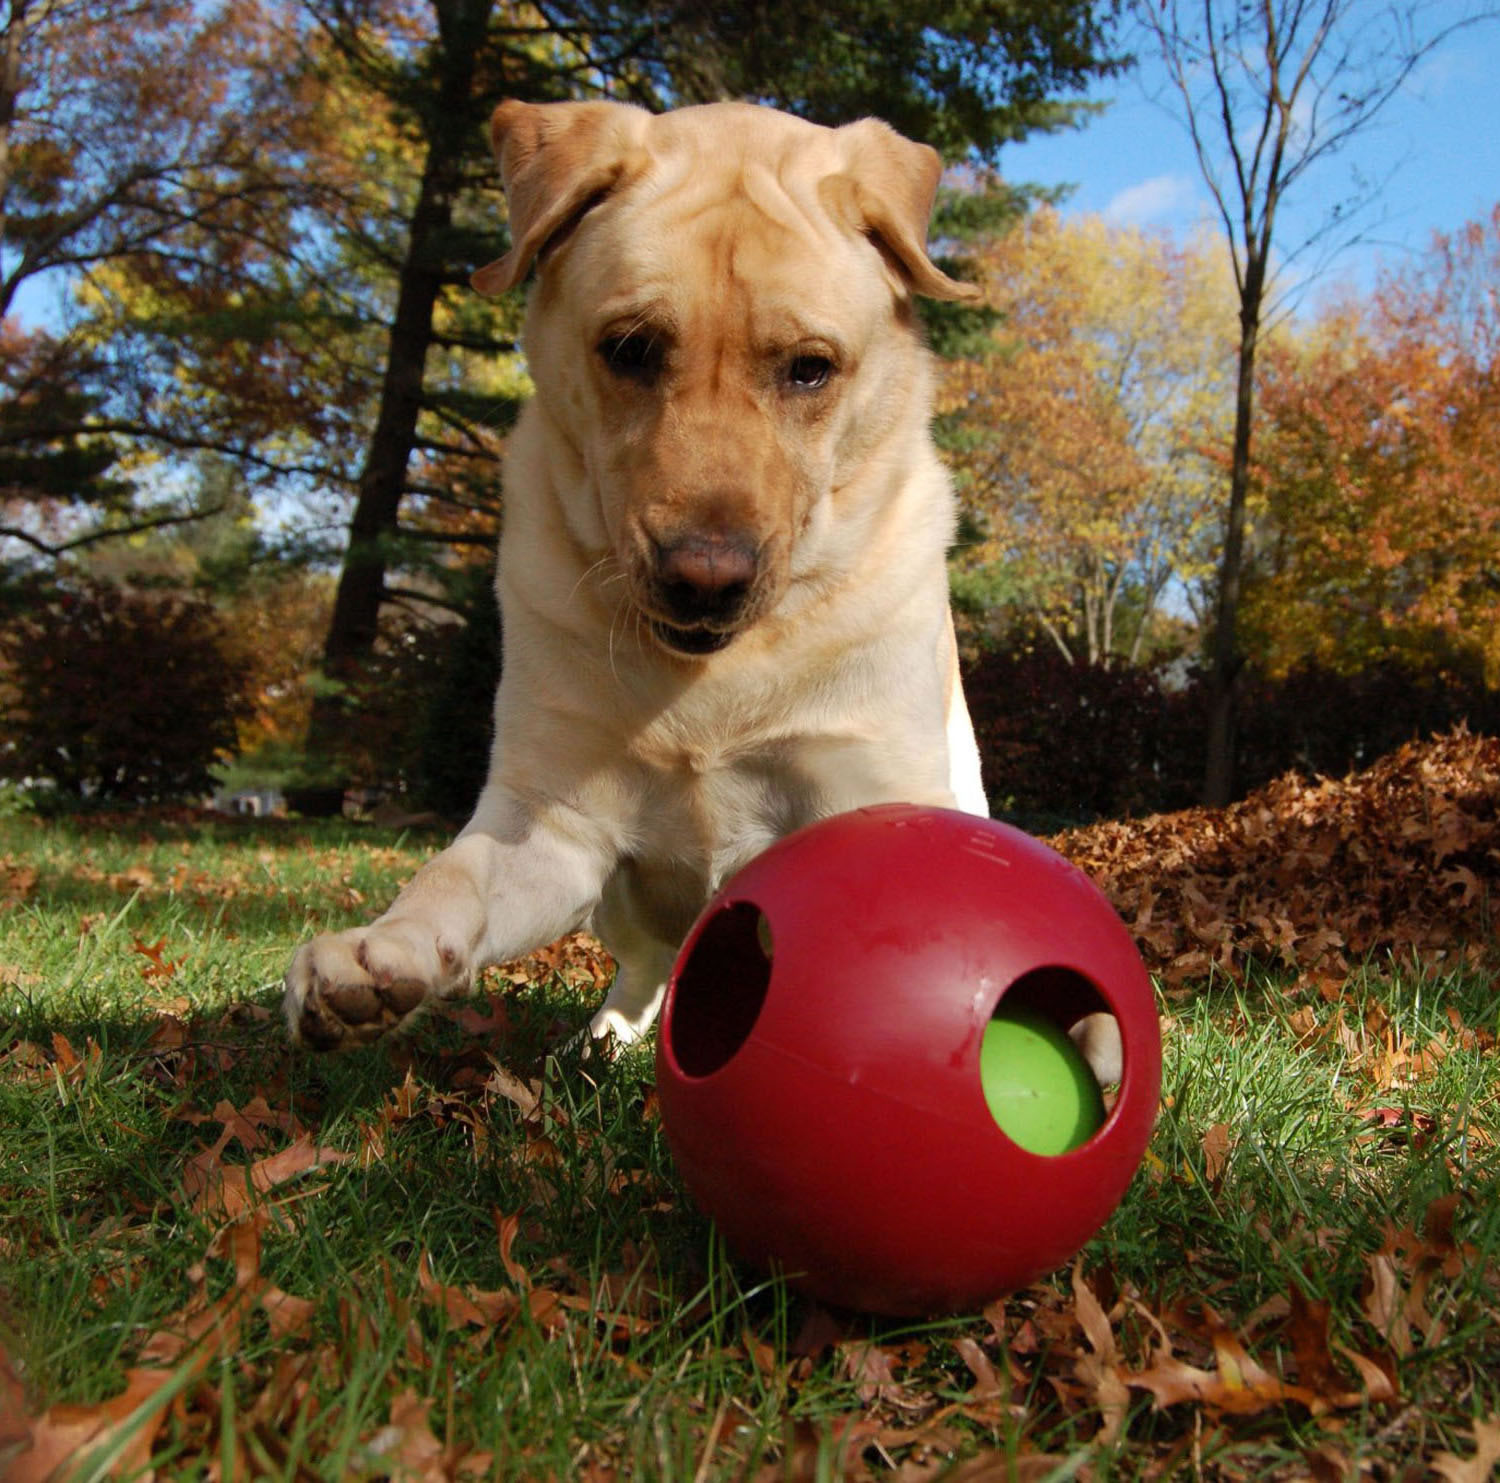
{"points": [[1161, 198], [1443, 72]]}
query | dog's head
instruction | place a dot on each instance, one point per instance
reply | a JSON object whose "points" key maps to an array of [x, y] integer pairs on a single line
{"points": [[721, 333]]}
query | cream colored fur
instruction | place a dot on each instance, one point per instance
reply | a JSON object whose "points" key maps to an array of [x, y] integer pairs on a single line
{"points": [[722, 573]]}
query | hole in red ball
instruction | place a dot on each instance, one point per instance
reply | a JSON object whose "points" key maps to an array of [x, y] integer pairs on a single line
{"points": [[1062, 995], [1050, 1047], [720, 989]]}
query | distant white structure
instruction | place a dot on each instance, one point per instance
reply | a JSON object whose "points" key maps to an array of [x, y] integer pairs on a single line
{"points": [[255, 803]]}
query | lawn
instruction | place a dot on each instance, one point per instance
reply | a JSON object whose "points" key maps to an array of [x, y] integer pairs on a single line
{"points": [[467, 1254]]}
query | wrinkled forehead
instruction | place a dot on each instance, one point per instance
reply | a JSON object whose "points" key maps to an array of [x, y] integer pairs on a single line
{"points": [[701, 236]]}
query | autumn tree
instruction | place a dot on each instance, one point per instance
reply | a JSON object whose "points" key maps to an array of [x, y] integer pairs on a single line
{"points": [[1268, 93], [217, 241], [132, 133], [1379, 455], [1087, 434]]}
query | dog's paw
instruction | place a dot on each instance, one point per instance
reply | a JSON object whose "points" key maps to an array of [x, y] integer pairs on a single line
{"points": [[611, 1029], [1097, 1037], [347, 989], [603, 1038], [617, 1024], [626, 1016]]}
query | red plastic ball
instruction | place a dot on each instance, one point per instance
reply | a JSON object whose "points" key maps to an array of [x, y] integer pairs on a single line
{"points": [[818, 1058]]}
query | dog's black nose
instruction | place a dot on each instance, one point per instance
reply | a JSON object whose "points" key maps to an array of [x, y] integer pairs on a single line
{"points": [[706, 578]]}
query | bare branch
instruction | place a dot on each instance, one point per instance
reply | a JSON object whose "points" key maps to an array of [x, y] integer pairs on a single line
{"points": [[106, 533], [446, 537], [411, 597], [182, 441]]}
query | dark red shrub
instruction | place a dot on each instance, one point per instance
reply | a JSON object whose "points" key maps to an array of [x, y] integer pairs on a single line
{"points": [[1324, 723], [115, 694], [1066, 741]]}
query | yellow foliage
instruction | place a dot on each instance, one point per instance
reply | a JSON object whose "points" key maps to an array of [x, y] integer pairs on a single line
{"points": [[1090, 437]]}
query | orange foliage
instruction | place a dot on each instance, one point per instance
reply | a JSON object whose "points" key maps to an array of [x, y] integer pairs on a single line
{"points": [[1380, 459]]}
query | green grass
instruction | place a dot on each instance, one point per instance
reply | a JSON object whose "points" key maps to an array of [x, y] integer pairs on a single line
{"points": [[1312, 1151]]}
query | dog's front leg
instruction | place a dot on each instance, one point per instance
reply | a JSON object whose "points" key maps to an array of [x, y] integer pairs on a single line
{"points": [[513, 881]]}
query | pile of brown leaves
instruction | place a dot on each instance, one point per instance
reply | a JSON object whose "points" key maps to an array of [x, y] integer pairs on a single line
{"points": [[1403, 857]]}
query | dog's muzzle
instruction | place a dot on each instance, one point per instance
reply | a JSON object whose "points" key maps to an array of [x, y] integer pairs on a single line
{"points": [[701, 590]]}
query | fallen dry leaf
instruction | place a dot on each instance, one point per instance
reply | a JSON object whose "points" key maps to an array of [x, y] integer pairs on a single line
{"points": [[65, 1433], [158, 967], [1099, 1368], [231, 1191], [873, 1371], [1238, 1385], [987, 1383], [1379, 1380], [205, 1326], [993, 1467], [505, 1083], [68, 1064], [1217, 1144], [506, 1229], [406, 1451], [1307, 1328], [1481, 1467], [467, 1305], [809, 1458], [17, 882], [489, 1023]]}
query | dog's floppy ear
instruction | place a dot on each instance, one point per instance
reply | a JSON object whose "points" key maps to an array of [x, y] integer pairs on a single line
{"points": [[887, 190], [556, 161]]}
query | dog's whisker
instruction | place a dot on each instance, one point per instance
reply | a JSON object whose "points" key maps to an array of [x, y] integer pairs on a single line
{"points": [[608, 559], [623, 608]]}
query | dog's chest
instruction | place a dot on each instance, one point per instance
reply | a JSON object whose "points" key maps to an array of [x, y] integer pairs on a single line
{"points": [[697, 824], [715, 810], [721, 771]]}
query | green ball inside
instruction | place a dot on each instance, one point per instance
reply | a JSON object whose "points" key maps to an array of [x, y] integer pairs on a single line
{"points": [[1038, 1086]]}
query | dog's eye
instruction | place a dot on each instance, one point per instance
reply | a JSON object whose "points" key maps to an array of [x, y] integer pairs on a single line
{"points": [[809, 372], [637, 357]]}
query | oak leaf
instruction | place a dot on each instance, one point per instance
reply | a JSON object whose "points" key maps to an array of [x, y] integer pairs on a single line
{"points": [[1098, 1369], [1477, 1469]]}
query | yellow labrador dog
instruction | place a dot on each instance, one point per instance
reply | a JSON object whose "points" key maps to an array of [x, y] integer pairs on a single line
{"points": [[722, 570]]}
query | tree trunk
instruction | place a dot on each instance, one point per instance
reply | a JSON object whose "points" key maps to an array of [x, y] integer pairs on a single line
{"points": [[354, 626], [382, 481], [1224, 673]]}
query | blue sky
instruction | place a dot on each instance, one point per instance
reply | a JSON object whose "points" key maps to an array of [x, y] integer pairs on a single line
{"points": [[1438, 141]]}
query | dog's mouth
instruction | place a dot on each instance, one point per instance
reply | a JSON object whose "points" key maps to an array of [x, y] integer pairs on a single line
{"points": [[694, 642]]}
